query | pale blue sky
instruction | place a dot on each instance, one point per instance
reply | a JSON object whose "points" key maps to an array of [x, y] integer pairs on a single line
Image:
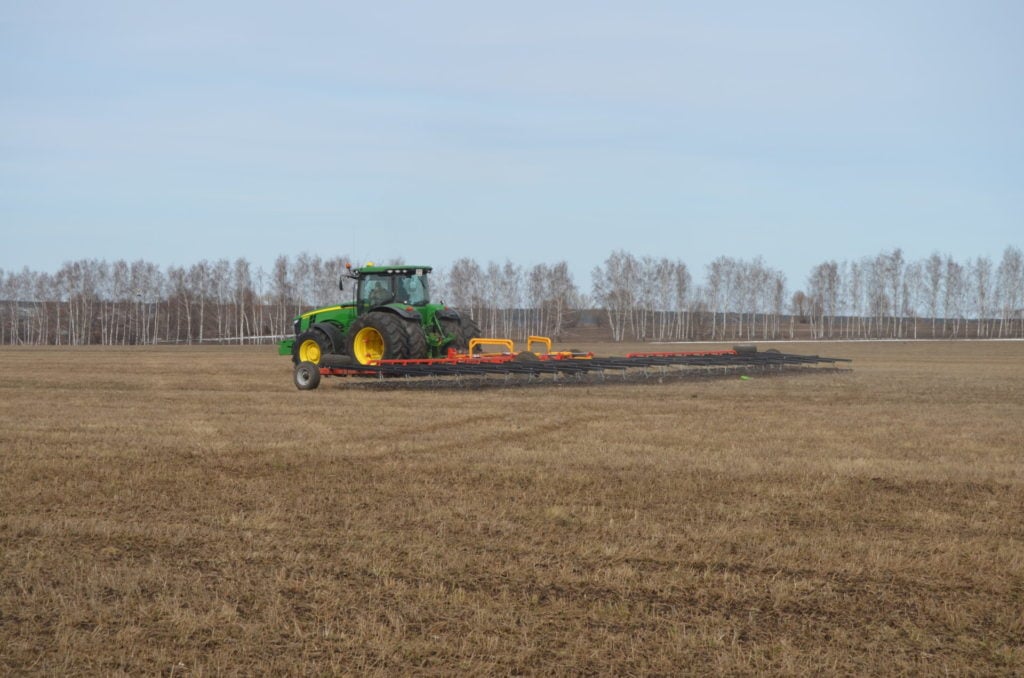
{"points": [[532, 131]]}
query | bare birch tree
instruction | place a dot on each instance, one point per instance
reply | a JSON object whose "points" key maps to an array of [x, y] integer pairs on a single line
{"points": [[614, 290], [981, 286], [1010, 285]]}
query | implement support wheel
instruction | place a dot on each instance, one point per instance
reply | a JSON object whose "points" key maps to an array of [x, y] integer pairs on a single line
{"points": [[306, 376]]}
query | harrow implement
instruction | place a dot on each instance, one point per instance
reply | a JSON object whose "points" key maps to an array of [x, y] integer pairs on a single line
{"points": [[557, 365]]}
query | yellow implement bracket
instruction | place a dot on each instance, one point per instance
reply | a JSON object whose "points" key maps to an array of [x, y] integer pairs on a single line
{"points": [[484, 341], [530, 341], [508, 344]]}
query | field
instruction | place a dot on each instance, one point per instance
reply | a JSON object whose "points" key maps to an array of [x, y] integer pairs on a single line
{"points": [[186, 511]]}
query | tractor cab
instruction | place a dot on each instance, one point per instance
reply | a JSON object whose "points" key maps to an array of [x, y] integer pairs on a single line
{"points": [[380, 285]]}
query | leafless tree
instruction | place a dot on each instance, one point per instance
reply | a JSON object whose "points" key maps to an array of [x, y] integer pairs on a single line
{"points": [[913, 289], [282, 295], [954, 298], [717, 287], [1010, 286], [199, 283], [243, 298], [561, 298], [467, 286], [933, 268], [490, 321], [510, 298], [893, 267], [682, 283], [614, 289], [981, 285], [824, 286]]}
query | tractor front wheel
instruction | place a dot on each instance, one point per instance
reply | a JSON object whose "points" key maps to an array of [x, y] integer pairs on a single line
{"points": [[310, 347], [378, 336]]}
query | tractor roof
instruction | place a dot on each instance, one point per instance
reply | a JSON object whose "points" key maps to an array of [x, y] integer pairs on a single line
{"points": [[403, 268]]}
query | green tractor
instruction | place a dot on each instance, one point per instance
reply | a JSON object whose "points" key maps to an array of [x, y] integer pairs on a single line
{"points": [[391, 319]]}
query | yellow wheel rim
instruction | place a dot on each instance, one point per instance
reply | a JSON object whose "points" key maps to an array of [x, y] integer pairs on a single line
{"points": [[309, 351], [368, 345]]}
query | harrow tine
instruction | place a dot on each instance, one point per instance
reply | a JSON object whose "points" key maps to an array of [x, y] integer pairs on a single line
{"points": [[563, 365]]}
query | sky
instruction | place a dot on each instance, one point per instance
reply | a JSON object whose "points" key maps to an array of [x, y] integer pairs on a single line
{"points": [[534, 132]]}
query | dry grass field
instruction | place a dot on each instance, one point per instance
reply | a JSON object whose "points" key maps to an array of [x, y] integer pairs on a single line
{"points": [[187, 511]]}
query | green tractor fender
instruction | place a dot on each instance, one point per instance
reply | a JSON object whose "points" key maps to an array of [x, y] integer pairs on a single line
{"points": [[317, 340], [448, 314], [400, 310]]}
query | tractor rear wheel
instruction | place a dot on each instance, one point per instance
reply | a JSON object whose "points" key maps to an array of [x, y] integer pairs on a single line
{"points": [[310, 347], [463, 329], [468, 329], [417, 339], [378, 336]]}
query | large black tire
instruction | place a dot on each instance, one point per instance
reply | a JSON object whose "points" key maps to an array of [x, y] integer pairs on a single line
{"points": [[468, 329], [306, 376], [311, 346], [463, 329], [417, 339], [378, 335]]}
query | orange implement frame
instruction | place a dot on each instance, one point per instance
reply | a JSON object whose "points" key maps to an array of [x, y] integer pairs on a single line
{"points": [[565, 363]]}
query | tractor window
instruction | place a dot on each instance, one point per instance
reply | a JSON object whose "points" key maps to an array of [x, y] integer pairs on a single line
{"points": [[376, 290], [412, 289]]}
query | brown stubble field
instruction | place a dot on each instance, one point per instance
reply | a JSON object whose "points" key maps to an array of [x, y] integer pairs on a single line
{"points": [[186, 511]]}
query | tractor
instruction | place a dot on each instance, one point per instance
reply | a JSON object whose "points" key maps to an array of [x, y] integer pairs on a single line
{"points": [[391, 319]]}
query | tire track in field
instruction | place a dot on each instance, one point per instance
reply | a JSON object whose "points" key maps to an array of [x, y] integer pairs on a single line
{"points": [[485, 430]]}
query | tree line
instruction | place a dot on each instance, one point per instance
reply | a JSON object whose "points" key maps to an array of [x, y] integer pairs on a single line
{"points": [[93, 301]]}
